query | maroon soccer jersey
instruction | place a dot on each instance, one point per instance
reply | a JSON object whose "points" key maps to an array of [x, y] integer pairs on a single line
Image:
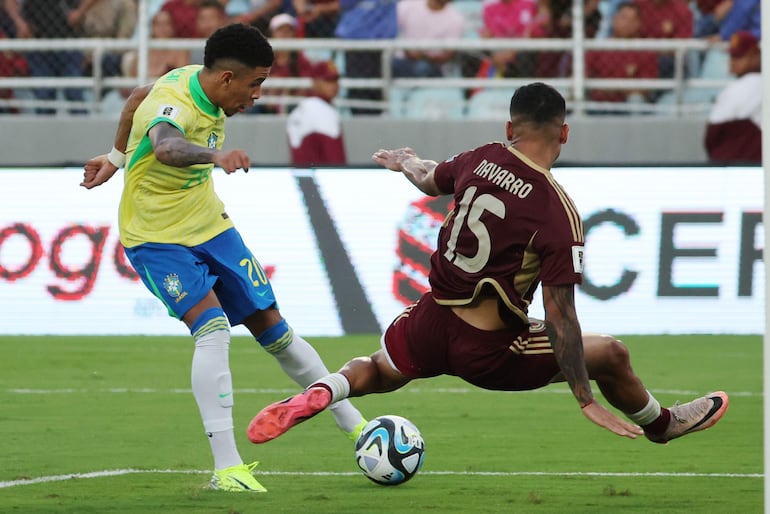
{"points": [[513, 227]]}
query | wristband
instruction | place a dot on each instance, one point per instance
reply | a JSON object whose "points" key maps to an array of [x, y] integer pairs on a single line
{"points": [[116, 157], [589, 402]]}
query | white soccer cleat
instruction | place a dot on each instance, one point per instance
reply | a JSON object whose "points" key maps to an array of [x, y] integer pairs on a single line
{"points": [[697, 415]]}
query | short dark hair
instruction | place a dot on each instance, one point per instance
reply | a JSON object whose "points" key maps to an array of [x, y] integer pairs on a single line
{"points": [[242, 43], [538, 103]]}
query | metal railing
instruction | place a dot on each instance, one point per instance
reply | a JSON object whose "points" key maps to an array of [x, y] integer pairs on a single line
{"points": [[574, 86]]}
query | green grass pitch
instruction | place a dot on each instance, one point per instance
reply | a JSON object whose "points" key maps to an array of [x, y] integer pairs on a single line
{"points": [[118, 413]]}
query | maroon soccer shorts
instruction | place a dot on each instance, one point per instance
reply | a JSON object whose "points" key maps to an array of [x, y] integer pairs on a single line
{"points": [[428, 340]]}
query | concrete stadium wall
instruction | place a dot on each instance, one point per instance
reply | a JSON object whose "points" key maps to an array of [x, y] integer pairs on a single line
{"points": [[38, 141]]}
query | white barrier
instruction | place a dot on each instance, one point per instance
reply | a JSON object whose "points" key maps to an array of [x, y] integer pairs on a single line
{"points": [[669, 250]]}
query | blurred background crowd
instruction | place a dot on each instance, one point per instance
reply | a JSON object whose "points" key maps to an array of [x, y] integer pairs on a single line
{"points": [[710, 40]]}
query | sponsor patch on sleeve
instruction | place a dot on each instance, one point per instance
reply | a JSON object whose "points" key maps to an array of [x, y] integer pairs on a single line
{"points": [[168, 111], [577, 258]]}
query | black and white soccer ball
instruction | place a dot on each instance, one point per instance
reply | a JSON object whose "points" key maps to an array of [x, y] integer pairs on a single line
{"points": [[390, 450]]}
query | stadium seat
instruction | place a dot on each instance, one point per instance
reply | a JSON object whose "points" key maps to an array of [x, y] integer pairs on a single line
{"points": [[471, 11], [435, 103], [489, 104], [716, 65], [397, 101]]}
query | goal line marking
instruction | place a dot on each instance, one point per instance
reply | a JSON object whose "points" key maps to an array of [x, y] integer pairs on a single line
{"points": [[130, 471]]}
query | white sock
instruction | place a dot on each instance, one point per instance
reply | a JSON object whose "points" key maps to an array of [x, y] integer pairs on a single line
{"points": [[302, 363], [337, 384], [213, 390], [648, 414]]}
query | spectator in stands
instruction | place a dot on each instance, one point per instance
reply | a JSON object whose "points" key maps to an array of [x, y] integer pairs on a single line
{"points": [[366, 19], [46, 19], [734, 129], [731, 16], [319, 18], [627, 64], [184, 14], [12, 64], [511, 19], [666, 19], [313, 127], [159, 60], [558, 24], [113, 100], [211, 16], [704, 23], [260, 14], [287, 64], [111, 19], [426, 19]]}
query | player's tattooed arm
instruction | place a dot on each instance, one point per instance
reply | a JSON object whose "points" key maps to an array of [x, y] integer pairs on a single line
{"points": [[171, 147], [418, 171], [567, 340]]}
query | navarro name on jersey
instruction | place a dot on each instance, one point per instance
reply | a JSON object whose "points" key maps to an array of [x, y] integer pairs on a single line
{"points": [[503, 178]]}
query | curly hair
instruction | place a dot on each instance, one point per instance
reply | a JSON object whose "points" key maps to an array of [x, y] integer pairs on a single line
{"points": [[242, 43]]}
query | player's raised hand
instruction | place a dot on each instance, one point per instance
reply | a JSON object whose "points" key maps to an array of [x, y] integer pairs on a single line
{"points": [[393, 159], [231, 160], [97, 171], [604, 418]]}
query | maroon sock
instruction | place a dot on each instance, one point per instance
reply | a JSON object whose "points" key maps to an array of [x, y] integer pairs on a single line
{"points": [[659, 426]]}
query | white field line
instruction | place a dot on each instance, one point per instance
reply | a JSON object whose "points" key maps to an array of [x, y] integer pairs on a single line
{"points": [[119, 472], [409, 390]]}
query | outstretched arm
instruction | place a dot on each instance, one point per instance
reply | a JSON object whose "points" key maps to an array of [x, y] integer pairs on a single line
{"points": [[101, 168], [418, 171], [567, 341], [171, 148]]}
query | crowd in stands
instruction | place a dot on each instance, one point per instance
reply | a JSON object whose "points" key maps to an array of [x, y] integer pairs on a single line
{"points": [[713, 20]]}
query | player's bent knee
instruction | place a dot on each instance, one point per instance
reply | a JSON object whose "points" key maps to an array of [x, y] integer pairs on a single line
{"points": [[276, 338], [616, 353]]}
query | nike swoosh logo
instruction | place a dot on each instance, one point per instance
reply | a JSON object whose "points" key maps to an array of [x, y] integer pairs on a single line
{"points": [[242, 484], [224, 395], [714, 408], [263, 293]]}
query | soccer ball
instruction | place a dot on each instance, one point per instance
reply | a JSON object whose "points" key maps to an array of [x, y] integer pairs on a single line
{"points": [[390, 450]]}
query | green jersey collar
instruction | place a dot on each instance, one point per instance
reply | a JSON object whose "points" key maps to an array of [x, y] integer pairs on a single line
{"points": [[200, 98]]}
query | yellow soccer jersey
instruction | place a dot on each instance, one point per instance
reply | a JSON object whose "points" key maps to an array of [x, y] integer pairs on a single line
{"points": [[164, 204]]}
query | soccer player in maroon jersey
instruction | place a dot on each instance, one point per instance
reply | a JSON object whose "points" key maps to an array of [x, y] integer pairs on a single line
{"points": [[513, 228]]}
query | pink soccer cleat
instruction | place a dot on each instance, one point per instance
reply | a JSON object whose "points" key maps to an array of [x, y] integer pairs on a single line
{"points": [[276, 419]]}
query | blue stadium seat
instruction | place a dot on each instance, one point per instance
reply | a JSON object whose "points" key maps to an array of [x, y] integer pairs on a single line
{"points": [[435, 103], [397, 101], [489, 104], [472, 12], [716, 65]]}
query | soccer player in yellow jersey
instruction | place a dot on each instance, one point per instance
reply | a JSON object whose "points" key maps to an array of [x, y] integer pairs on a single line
{"points": [[181, 242]]}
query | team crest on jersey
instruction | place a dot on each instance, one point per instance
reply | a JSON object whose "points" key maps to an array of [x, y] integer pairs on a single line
{"points": [[212, 140], [173, 285], [577, 258], [168, 111]]}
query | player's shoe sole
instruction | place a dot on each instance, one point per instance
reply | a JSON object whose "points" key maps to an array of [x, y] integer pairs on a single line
{"points": [[276, 419], [694, 416]]}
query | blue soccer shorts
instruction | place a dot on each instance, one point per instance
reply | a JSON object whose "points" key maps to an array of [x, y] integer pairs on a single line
{"points": [[181, 276]]}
